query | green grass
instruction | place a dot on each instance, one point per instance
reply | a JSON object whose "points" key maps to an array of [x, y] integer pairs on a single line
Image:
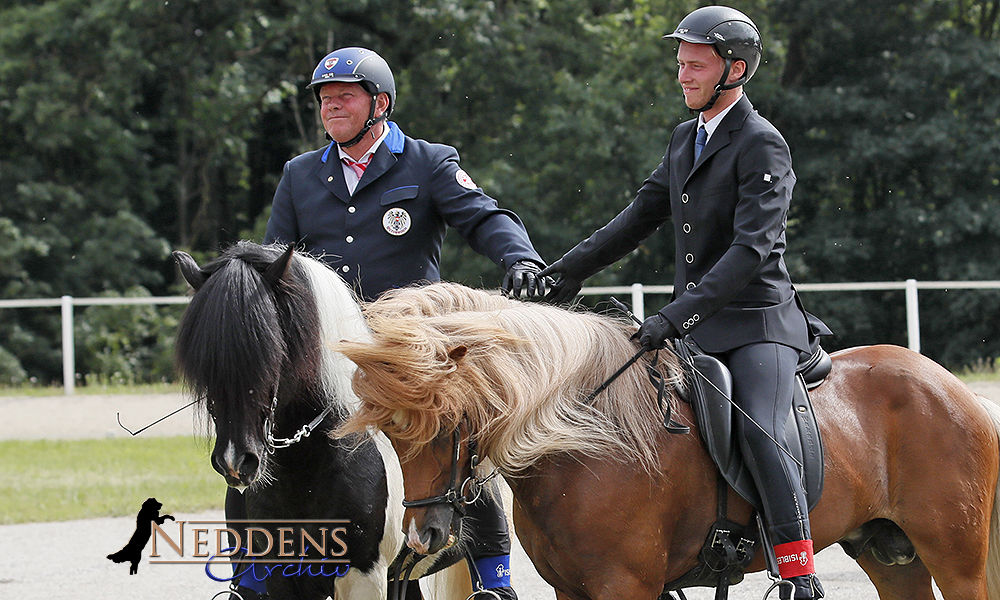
{"points": [[91, 389], [50, 480], [980, 371]]}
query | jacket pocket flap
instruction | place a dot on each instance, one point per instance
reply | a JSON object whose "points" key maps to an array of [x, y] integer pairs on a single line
{"points": [[401, 193]]}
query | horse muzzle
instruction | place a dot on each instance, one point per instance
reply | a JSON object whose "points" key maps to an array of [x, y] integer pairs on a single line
{"points": [[431, 530], [239, 466]]}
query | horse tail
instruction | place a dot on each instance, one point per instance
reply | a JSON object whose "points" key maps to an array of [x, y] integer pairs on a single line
{"points": [[993, 557]]}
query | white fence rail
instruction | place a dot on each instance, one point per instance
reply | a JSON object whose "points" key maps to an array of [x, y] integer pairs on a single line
{"points": [[636, 291]]}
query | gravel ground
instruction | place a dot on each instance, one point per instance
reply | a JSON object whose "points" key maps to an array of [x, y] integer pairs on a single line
{"points": [[66, 560]]}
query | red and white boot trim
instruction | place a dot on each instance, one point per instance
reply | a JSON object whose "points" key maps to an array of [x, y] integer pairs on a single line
{"points": [[795, 558]]}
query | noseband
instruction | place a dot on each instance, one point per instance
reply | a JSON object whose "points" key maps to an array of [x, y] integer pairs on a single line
{"points": [[455, 494]]}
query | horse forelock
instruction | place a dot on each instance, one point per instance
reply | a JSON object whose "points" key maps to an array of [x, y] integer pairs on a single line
{"points": [[241, 335], [230, 345], [521, 379]]}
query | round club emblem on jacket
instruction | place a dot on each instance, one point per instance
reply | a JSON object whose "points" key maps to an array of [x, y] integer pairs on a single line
{"points": [[396, 221], [464, 180]]}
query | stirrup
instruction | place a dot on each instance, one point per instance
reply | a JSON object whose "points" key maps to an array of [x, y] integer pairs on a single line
{"points": [[777, 583], [495, 595], [231, 590]]}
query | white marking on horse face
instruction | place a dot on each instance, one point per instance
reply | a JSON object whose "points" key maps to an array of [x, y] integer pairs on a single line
{"points": [[413, 538], [229, 455]]}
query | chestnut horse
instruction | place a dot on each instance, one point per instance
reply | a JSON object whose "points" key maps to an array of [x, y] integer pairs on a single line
{"points": [[609, 505]]}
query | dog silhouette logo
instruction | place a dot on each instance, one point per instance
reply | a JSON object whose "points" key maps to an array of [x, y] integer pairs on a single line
{"points": [[132, 552]]}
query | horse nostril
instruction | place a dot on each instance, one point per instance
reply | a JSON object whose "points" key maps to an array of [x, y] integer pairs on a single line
{"points": [[247, 466], [238, 466], [218, 464]]}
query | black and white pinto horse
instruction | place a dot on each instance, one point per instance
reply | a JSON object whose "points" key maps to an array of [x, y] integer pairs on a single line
{"points": [[254, 348]]}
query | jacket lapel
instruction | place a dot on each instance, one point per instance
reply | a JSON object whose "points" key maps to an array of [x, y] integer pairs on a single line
{"points": [[381, 161], [722, 137], [683, 153], [331, 174]]}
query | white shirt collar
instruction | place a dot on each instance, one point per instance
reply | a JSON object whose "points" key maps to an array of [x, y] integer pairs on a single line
{"points": [[350, 177], [371, 151]]}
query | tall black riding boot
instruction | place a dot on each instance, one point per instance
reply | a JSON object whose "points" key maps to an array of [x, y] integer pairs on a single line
{"points": [[489, 544]]}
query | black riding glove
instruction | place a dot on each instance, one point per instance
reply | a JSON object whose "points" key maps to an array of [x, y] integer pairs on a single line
{"points": [[654, 332], [524, 275], [565, 287]]}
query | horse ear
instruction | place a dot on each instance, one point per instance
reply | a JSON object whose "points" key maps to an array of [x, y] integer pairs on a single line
{"points": [[458, 353], [190, 270], [276, 270]]}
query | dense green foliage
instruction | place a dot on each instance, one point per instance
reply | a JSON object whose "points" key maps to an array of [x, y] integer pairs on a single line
{"points": [[128, 128]]}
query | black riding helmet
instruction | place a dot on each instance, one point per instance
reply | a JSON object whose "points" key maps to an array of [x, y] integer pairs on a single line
{"points": [[734, 36], [361, 66]]}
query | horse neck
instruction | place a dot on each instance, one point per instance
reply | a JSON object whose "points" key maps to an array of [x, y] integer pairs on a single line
{"points": [[340, 318]]}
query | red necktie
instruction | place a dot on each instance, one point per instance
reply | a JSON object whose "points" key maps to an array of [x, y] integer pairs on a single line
{"points": [[357, 167]]}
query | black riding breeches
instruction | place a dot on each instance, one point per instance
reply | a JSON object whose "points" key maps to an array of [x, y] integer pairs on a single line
{"points": [[763, 385]]}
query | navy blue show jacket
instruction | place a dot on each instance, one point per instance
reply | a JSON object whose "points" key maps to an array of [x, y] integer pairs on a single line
{"points": [[389, 233]]}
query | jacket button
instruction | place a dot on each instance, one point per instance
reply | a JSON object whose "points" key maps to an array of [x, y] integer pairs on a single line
{"points": [[329, 179], [689, 258], [350, 239], [345, 268], [351, 209], [686, 228], [691, 285], [684, 198]]}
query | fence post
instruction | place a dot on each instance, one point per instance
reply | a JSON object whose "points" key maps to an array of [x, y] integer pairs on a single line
{"points": [[69, 375], [638, 302], [912, 315]]}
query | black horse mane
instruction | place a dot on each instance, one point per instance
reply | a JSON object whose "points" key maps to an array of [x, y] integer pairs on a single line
{"points": [[242, 335]]}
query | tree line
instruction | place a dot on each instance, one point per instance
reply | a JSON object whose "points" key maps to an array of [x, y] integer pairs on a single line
{"points": [[129, 128]]}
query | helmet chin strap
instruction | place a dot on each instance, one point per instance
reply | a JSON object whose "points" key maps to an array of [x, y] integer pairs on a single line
{"points": [[368, 125], [719, 88], [722, 86]]}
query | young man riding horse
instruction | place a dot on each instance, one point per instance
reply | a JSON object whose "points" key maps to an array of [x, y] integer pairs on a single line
{"points": [[726, 180]]}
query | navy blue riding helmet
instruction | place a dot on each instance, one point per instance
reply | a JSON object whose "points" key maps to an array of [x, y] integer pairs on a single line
{"points": [[362, 66]]}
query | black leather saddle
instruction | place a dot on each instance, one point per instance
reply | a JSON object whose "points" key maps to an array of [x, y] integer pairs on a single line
{"points": [[709, 390]]}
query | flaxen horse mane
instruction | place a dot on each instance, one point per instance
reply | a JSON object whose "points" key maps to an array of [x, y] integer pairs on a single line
{"points": [[519, 372]]}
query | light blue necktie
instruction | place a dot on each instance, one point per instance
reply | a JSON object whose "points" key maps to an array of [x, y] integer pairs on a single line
{"points": [[699, 142]]}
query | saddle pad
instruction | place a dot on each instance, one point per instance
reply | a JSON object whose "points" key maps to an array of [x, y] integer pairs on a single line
{"points": [[715, 415]]}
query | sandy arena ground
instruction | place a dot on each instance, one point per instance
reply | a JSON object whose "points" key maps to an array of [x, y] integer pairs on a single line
{"points": [[66, 560]]}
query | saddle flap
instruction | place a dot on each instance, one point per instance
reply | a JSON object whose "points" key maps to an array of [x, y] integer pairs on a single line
{"points": [[711, 388]]}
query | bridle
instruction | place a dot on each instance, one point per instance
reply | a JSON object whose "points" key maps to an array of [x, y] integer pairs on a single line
{"points": [[305, 431], [455, 495]]}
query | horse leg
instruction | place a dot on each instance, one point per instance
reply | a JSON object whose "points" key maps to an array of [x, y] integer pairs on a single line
{"points": [[959, 569], [898, 582]]}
